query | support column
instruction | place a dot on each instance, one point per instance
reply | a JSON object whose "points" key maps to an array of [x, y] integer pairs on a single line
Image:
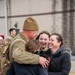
{"points": [[6, 19]]}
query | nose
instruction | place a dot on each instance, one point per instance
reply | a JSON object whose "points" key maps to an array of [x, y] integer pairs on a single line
{"points": [[43, 40]]}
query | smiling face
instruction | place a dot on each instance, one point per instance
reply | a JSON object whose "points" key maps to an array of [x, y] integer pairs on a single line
{"points": [[43, 40], [55, 42]]}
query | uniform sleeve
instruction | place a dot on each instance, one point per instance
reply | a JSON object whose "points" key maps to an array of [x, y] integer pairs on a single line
{"points": [[8, 39], [65, 66], [20, 55]]}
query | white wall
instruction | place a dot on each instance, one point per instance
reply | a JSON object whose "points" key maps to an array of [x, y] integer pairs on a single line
{"points": [[26, 7], [51, 15]]}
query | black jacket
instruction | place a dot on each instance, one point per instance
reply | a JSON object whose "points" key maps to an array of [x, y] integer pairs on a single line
{"points": [[60, 63]]}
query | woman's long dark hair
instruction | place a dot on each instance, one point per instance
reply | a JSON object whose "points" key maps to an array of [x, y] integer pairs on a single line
{"points": [[43, 33]]}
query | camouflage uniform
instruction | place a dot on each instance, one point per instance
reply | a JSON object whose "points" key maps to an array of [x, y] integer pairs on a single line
{"points": [[4, 61], [1, 53], [18, 52], [7, 42]]}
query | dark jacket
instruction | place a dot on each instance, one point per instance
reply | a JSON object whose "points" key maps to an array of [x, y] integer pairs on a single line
{"points": [[60, 63]]}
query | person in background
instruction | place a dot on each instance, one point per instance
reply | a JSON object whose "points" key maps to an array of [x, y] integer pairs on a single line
{"points": [[18, 51], [1, 52], [4, 65], [1, 41], [12, 34], [60, 63]]}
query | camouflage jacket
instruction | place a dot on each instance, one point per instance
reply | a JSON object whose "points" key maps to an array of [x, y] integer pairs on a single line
{"points": [[1, 53], [18, 53]]}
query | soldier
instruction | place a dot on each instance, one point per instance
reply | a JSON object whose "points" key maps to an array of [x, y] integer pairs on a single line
{"points": [[5, 61], [12, 34], [1, 51], [17, 50]]}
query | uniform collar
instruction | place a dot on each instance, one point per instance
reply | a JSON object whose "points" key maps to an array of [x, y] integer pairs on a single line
{"points": [[23, 37]]}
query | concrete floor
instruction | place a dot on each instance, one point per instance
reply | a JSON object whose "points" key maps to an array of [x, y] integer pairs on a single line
{"points": [[72, 66], [72, 71]]}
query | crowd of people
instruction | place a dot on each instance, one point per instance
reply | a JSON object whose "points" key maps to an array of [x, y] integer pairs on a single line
{"points": [[31, 53]]}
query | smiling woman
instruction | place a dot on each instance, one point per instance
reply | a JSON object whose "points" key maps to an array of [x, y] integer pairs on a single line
{"points": [[43, 39], [60, 63]]}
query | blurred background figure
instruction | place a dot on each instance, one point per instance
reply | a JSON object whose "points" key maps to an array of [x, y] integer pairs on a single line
{"points": [[4, 60], [1, 41], [12, 33], [1, 51]]}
